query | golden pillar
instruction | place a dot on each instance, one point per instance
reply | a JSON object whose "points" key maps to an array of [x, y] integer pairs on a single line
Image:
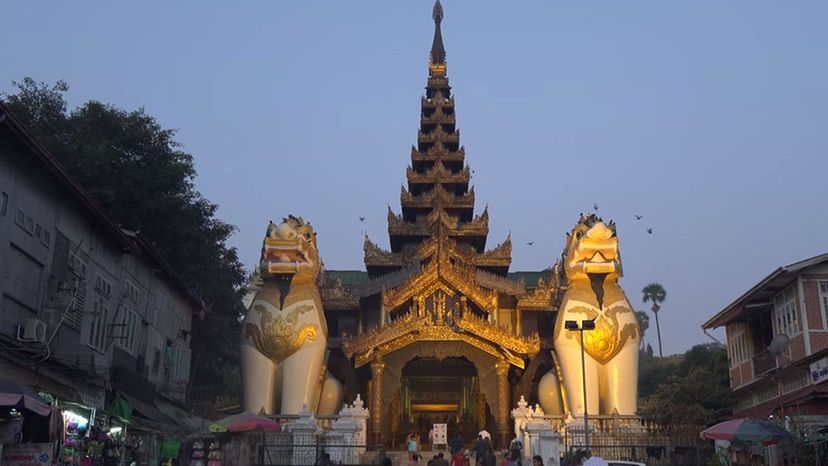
{"points": [[502, 416], [377, 368]]}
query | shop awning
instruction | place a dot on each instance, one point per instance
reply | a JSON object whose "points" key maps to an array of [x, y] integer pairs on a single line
{"points": [[145, 410], [13, 395], [182, 417]]}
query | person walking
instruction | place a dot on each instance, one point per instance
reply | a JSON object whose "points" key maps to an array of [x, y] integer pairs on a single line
{"points": [[480, 449], [489, 459], [411, 446]]}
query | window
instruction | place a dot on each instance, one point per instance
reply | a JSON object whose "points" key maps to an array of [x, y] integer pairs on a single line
{"points": [[737, 346], [156, 360], [795, 382], [97, 331], [79, 269], [29, 225], [46, 239], [103, 286], [182, 365], [823, 294], [4, 203], [130, 291], [25, 280], [129, 329], [784, 313], [38, 230], [20, 218]]}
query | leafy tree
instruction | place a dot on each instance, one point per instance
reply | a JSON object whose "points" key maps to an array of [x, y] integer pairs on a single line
{"points": [[643, 324], [656, 294], [653, 371], [139, 173], [690, 389]]}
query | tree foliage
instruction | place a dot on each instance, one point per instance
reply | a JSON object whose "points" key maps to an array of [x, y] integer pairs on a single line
{"points": [[139, 173], [654, 293], [690, 389], [643, 324]]}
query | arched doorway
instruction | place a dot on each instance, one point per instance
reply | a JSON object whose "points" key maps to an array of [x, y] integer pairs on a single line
{"points": [[433, 391], [423, 356]]}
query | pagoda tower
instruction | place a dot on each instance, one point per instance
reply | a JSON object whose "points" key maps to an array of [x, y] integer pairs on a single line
{"points": [[438, 195], [438, 295]]}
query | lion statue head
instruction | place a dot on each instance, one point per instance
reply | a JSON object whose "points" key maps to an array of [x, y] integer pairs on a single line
{"points": [[592, 250], [289, 251]]}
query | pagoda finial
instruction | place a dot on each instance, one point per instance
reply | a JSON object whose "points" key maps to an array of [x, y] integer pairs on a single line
{"points": [[438, 52]]}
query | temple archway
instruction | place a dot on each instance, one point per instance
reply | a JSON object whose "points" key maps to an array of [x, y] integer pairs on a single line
{"points": [[471, 362]]}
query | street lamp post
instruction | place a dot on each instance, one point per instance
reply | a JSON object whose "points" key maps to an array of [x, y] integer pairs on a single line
{"points": [[586, 325]]}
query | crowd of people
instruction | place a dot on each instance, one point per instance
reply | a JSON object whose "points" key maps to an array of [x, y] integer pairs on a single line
{"points": [[482, 453]]}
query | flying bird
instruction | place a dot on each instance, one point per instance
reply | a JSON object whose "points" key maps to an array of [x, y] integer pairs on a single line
{"points": [[361, 219], [530, 243], [638, 217], [595, 206], [650, 231]]}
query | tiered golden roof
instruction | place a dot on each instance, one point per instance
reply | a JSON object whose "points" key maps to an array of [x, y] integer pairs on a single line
{"points": [[438, 282]]}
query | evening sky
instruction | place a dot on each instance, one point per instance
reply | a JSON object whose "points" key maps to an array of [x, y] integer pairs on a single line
{"points": [[708, 118]]}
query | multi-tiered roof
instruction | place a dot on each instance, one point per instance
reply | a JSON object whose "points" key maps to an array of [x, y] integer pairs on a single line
{"points": [[438, 195], [438, 283]]}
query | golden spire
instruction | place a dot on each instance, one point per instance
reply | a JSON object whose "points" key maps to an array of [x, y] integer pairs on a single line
{"points": [[437, 66]]}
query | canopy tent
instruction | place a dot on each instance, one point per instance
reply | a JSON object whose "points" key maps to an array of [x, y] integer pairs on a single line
{"points": [[747, 431], [244, 422], [14, 395]]}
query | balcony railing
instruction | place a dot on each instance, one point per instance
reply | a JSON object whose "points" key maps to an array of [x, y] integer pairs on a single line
{"points": [[763, 363]]}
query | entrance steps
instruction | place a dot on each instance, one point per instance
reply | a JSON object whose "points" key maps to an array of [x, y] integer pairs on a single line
{"points": [[400, 458]]}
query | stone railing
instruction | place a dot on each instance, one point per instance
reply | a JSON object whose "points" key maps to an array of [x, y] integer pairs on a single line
{"points": [[343, 436]]}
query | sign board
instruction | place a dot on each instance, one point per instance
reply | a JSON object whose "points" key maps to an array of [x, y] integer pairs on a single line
{"points": [[440, 434], [27, 454], [819, 371]]}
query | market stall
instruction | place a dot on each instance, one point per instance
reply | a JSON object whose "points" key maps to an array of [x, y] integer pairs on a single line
{"points": [[24, 426]]}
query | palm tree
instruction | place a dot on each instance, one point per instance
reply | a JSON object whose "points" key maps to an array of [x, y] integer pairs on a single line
{"points": [[656, 294]]}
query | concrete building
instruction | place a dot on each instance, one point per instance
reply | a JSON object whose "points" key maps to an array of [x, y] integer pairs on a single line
{"points": [[89, 312], [777, 344]]}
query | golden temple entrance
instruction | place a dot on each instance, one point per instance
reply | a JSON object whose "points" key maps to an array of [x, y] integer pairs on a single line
{"points": [[438, 391]]}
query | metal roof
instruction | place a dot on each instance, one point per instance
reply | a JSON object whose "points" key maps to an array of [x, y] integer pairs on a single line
{"points": [[762, 292]]}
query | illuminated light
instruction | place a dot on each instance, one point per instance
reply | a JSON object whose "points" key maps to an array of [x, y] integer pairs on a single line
{"points": [[115, 430], [75, 417]]}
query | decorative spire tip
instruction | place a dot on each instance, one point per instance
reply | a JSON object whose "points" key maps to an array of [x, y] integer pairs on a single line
{"points": [[437, 13]]}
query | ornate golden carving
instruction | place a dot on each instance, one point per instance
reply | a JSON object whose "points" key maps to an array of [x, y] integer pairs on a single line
{"points": [[502, 416], [473, 331], [439, 135], [425, 227], [335, 294], [438, 152], [440, 272], [542, 298], [437, 101], [500, 283], [438, 174], [279, 338], [438, 196], [438, 116], [606, 340]]}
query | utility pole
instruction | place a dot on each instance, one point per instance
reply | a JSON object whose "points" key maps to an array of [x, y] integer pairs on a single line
{"points": [[586, 325]]}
